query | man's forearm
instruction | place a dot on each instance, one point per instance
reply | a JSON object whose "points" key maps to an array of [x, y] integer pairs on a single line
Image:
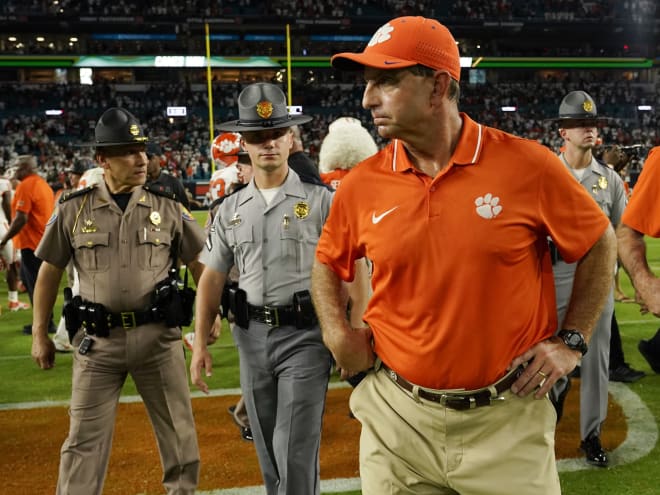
{"points": [[632, 253], [45, 295], [328, 295], [593, 282], [209, 292]]}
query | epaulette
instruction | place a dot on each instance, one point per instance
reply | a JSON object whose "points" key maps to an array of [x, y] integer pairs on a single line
{"points": [[160, 191], [75, 194]]}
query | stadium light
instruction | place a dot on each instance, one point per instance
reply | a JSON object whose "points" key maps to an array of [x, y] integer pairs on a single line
{"points": [[644, 108], [54, 112], [509, 109]]}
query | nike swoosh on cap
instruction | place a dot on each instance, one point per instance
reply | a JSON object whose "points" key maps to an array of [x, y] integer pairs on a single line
{"points": [[375, 219], [391, 62]]}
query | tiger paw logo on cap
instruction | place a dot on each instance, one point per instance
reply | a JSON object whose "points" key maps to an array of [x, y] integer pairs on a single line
{"points": [[382, 35], [264, 109]]}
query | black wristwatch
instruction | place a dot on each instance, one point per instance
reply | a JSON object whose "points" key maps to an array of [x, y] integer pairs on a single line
{"points": [[574, 340]]}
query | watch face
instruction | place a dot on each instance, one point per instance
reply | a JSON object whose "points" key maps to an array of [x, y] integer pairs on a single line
{"points": [[574, 339]]}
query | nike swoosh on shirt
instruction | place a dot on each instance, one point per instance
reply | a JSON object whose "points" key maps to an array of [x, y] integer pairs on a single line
{"points": [[375, 219]]}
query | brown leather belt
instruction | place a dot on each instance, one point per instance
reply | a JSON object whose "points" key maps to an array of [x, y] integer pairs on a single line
{"points": [[461, 401]]}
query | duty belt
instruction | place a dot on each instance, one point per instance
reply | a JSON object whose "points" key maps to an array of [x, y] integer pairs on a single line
{"points": [[273, 316], [130, 319], [461, 401]]}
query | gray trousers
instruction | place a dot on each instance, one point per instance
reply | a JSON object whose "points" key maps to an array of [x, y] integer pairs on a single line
{"points": [[284, 380], [594, 369]]}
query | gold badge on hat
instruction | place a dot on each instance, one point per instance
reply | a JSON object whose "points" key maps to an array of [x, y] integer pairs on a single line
{"points": [[88, 226], [587, 106], [134, 130], [154, 218], [602, 182], [301, 210], [264, 109]]}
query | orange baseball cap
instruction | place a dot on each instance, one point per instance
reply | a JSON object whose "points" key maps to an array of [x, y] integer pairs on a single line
{"points": [[404, 42]]}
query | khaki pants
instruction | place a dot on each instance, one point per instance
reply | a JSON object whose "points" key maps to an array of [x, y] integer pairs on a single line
{"points": [[152, 354], [418, 447]]}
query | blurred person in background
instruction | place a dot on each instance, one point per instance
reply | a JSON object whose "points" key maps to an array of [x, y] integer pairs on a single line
{"points": [[238, 412], [642, 217], [346, 144], [619, 370], [31, 207], [161, 180], [8, 257], [460, 355], [299, 160], [224, 150]]}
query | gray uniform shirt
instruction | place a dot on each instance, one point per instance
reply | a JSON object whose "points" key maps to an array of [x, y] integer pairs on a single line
{"points": [[273, 246], [608, 190], [606, 187]]}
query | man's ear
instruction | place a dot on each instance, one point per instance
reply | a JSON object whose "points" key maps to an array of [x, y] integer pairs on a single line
{"points": [[440, 84]]}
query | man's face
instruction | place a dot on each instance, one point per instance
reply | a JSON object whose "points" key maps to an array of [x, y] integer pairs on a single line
{"points": [[397, 99], [74, 179], [582, 134], [125, 167], [244, 172], [153, 167], [269, 149]]}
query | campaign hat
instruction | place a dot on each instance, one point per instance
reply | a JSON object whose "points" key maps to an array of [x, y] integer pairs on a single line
{"points": [[406, 42], [117, 127], [578, 106], [262, 106]]}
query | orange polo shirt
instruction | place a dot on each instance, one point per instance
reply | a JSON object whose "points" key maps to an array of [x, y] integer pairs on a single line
{"points": [[642, 212], [334, 177], [462, 278], [35, 198]]}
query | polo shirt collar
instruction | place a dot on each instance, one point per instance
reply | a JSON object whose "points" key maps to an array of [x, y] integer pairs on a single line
{"points": [[467, 152]]}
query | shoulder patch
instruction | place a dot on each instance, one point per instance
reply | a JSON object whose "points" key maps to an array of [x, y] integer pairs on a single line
{"points": [[75, 194], [159, 190]]}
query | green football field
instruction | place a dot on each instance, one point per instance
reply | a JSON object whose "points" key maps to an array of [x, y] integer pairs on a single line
{"points": [[21, 381]]}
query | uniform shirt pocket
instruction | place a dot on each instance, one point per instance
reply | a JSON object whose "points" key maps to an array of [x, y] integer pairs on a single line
{"points": [[153, 251], [298, 243], [92, 251]]}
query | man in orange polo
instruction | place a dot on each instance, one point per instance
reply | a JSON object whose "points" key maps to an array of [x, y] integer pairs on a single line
{"points": [[642, 217], [31, 207], [461, 322]]}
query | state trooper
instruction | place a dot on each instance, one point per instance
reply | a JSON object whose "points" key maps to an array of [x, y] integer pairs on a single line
{"points": [[578, 126], [125, 241], [269, 230]]}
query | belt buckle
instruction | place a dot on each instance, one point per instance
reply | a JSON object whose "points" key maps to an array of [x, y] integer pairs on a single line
{"points": [[458, 402], [271, 316], [127, 319]]}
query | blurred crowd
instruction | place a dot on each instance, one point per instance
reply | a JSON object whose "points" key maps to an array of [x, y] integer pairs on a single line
{"points": [[568, 10], [184, 142]]}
